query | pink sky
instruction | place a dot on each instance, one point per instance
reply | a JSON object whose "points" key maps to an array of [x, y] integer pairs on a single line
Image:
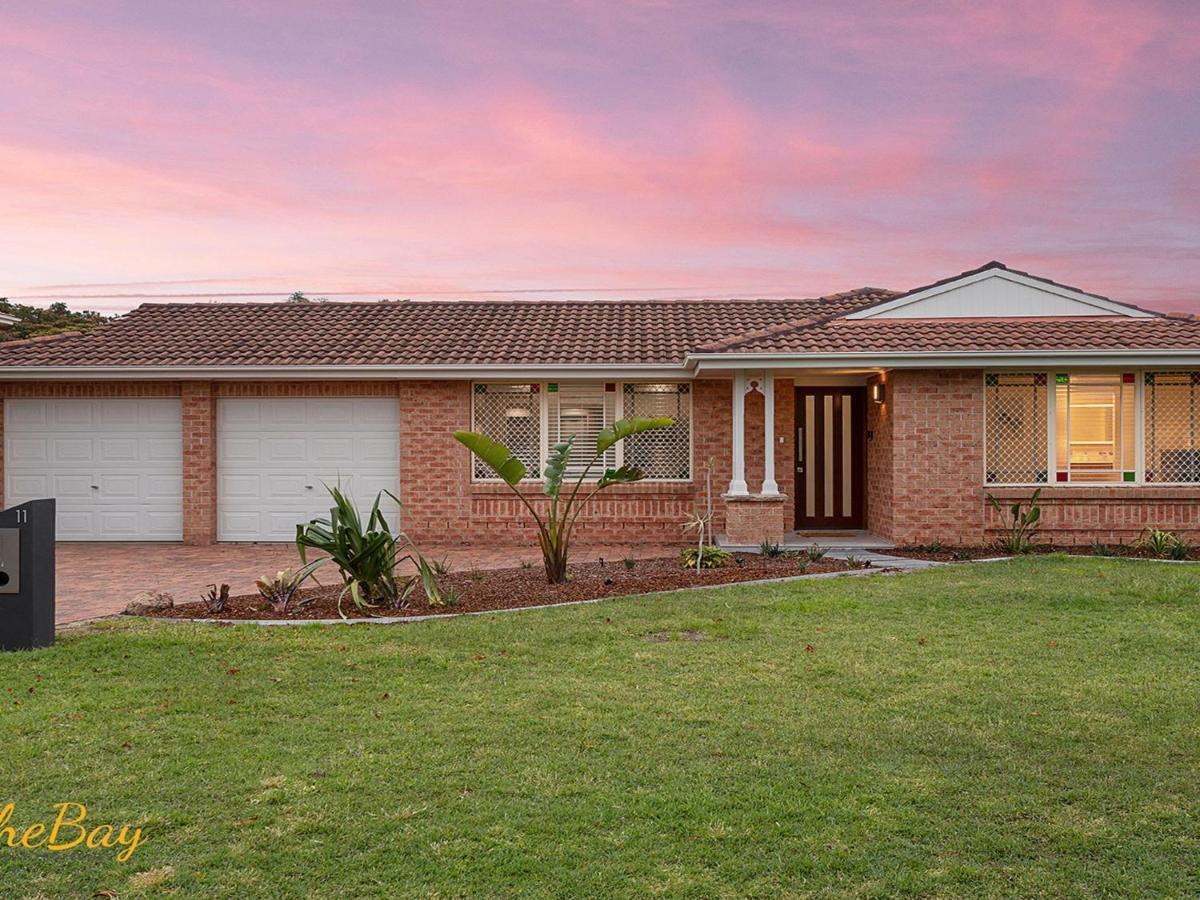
{"points": [[595, 149]]}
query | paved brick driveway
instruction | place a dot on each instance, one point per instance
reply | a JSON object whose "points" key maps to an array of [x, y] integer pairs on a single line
{"points": [[97, 579]]}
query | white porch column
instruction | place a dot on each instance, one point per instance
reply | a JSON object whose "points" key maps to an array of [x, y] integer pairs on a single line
{"points": [[737, 484], [769, 487]]}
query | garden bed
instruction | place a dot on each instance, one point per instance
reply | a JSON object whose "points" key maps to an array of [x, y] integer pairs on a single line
{"points": [[480, 590], [991, 551]]}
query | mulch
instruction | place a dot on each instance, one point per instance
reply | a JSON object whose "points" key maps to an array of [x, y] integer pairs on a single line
{"points": [[480, 590], [955, 554]]}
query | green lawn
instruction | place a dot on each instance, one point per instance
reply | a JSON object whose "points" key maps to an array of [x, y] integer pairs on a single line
{"points": [[1024, 728]]}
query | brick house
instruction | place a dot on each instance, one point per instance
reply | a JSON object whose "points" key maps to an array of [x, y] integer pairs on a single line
{"points": [[890, 412]]}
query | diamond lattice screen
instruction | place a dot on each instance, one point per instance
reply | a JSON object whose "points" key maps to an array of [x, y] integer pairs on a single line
{"points": [[664, 453], [511, 414], [1172, 427], [582, 409], [1016, 428]]}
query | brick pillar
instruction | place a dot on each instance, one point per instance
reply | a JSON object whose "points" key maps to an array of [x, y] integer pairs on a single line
{"points": [[199, 462], [751, 520]]}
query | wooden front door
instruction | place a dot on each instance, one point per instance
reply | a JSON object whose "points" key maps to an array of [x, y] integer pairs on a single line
{"points": [[830, 462]]}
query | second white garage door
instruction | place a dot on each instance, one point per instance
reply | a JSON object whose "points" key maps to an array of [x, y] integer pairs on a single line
{"points": [[274, 456]]}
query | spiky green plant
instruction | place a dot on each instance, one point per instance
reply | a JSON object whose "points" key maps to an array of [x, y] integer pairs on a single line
{"points": [[367, 554], [1021, 526], [556, 523]]}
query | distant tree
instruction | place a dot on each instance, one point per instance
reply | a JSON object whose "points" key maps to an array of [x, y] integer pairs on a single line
{"points": [[36, 321], [297, 297]]}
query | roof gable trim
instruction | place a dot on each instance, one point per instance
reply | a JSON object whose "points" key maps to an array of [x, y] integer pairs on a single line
{"points": [[1059, 300]]}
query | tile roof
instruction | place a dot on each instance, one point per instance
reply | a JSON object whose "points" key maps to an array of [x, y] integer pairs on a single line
{"points": [[965, 335], [404, 333]]}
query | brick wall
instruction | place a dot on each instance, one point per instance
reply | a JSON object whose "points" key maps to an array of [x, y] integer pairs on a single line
{"points": [[1080, 515], [925, 462]]}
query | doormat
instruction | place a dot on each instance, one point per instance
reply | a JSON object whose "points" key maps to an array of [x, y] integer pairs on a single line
{"points": [[827, 534]]}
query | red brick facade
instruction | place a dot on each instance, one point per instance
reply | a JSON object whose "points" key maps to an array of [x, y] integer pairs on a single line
{"points": [[924, 467]]}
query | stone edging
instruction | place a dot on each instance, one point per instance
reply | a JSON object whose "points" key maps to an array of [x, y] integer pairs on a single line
{"points": [[400, 620]]}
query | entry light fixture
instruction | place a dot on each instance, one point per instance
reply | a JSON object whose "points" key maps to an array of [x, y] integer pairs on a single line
{"points": [[877, 391]]}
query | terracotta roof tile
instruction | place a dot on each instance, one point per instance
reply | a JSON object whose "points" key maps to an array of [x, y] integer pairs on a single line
{"points": [[983, 335], [421, 333]]}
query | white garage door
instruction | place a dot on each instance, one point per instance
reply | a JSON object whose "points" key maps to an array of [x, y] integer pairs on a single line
{"points": [[274, 457], [114, 466]]}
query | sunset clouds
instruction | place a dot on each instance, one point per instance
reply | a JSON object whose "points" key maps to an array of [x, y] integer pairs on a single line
{"points": [[651, 148]]}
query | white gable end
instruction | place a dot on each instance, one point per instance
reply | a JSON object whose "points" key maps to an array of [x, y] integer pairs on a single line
{"points": [[996, 294]]}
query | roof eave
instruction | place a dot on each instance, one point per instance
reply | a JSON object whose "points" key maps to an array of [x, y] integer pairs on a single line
{"points": [[340, 373], [944, 359]]}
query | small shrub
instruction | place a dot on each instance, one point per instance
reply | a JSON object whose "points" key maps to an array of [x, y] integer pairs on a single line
{"points": [[933, 547], [526, 564], [815, 553], [217, 599], [1021, 526], [1162, 544], [960, 554], [440, 567], [853, 562], [766, 548], [802, 567], [1099, 549], [629, 563], [279, 591], [708, 558]]}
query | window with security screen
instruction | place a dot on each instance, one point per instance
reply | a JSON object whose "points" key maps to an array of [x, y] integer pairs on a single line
{"points": [[582, 409], [665, 453], [1015, 427], [1095, 421], [1172, 433], [511, 414]]}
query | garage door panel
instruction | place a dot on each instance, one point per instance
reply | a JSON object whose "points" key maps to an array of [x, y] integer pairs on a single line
{"points": [[117, 450], [234, 449], [113, 465], [119, 412], [284, 412], [239, 486], [301, 442], [28, 450], [162, 450], [284, 450], [379, 450], [71, 413], [71, 450]]}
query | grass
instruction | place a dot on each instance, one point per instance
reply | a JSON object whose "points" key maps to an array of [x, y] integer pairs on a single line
{"points": [[1021, 728]]}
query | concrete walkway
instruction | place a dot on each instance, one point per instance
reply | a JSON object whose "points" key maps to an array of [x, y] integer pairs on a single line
{"points": [[98, 579]]}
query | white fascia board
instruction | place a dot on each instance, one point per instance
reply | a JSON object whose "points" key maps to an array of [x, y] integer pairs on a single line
{"points": [[1109, 306], [340, 373], [956, 360]]}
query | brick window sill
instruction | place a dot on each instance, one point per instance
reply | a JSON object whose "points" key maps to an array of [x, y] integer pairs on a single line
{"points": [[642, 489], [1112, 492]]}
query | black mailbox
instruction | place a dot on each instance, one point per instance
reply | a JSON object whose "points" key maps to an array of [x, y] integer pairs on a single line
{"points": [[27, 576]]}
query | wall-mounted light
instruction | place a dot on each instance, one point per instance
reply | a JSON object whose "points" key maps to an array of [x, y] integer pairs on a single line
{"points": [[877, 391]]}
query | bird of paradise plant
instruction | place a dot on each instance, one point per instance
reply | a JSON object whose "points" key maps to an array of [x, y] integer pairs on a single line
{"points": [[557, 521]]}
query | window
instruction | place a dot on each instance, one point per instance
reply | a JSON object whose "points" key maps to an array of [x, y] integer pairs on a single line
{"points": [[1172, 403], [532, 418], [665, 453], [1015, 427], [511, 414], [582, 409], [1094, 428]]}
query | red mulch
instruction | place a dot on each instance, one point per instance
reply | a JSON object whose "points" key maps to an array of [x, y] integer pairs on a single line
{"points": [[953, 554], [480, 590]]}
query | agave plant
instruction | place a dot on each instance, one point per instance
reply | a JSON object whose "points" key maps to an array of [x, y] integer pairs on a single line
{"points": [[557, 522], [367, 554]]}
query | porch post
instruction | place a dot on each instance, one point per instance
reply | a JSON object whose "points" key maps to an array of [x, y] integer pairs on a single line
{"points": [[737, 484], [769, 487]]}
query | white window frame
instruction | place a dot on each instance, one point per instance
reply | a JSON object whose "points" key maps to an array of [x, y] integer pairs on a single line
{"points": [[1052, 386], [1141, 420], [618, 413]]}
